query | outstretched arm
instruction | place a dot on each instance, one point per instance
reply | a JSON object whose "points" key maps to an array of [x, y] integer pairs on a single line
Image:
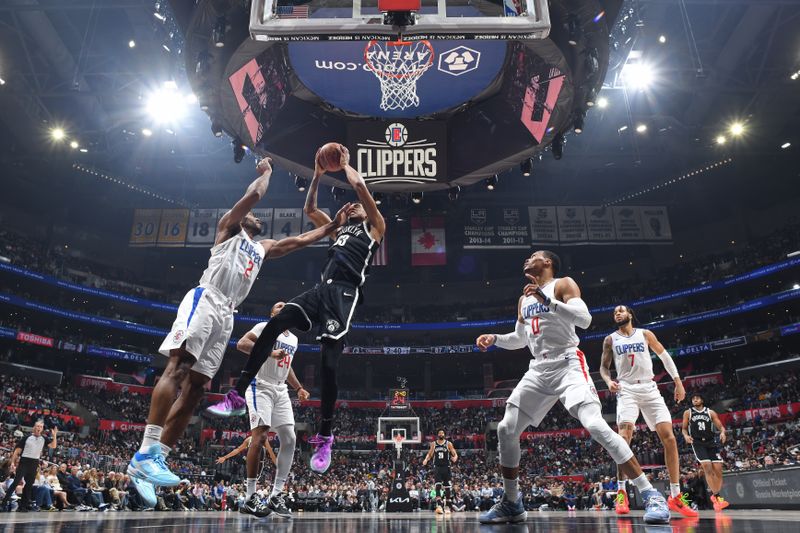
{"points": [[232, 220], [242, 447], [291, 244], [373, 214], [605, 365], [319, 218], [669, 364]]}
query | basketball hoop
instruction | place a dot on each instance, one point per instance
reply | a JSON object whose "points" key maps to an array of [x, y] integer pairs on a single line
{"points": [[398, 443], [398, 65]]}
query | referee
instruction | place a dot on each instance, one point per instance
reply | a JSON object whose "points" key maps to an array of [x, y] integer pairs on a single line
{"points": [[25, 461]]}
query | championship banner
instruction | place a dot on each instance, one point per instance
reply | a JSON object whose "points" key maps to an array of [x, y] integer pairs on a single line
{"points": [[145, 227], [496, 228], [428, 241], [202, 228], [287, 223], [544, 228], [599, 224], [628, 223], [571, 224], [655, 224], [172, 230]]}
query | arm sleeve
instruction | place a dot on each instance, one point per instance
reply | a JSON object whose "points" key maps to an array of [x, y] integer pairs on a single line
{"points": [[513, 341], [669, 364], [575, 310]]}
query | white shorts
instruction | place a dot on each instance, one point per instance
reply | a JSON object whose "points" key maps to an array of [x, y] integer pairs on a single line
{"points": [[644, 397], [546, 382], [269, 405], [204, 323]]}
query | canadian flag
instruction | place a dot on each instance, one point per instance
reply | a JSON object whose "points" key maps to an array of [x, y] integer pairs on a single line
{"points": [[427, 241]]}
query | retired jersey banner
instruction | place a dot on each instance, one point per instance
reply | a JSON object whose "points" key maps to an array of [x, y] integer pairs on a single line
{"points": [[172, 229], [655, 224], [287, 223], [428, 241], [202, 228], [504, 227], [145, 227]]}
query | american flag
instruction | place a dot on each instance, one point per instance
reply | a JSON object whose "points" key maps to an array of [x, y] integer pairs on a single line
{"points": [[381, 257], [292, 12]]}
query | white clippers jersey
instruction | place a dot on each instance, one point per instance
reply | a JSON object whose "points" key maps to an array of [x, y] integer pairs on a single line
{"points": [[549, 335], [275, 370], [233, 266], [632, 357]]}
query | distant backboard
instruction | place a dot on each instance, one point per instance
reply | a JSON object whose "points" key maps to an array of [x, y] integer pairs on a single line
{"points": [[360, 20], [390, 426]]}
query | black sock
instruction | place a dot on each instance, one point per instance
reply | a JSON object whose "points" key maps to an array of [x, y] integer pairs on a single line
{"points": [[326, 427]]}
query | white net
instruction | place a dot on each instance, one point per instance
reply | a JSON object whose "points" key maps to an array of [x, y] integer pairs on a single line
{"points": [[398, 65]]}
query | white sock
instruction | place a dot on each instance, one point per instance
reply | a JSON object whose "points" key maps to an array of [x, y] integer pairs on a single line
{"points": [[642, 483], [251, 486], [511, 488], [621, 484], [165, 450], [152, 435], [674, 489]]}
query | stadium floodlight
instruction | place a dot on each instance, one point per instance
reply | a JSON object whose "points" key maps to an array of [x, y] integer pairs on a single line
{"points": [[491, 182], [637, 76], [58, 134], [721, 139], [602, 102], [526, 167], [737, 128], [167, 104]]}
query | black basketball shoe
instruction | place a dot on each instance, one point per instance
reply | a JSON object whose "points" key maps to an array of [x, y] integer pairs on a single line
{"points": [[254, 506], [278, 506]]}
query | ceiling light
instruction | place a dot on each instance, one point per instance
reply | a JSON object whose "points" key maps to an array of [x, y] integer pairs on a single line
{"points": [[216, 128], [637, 76], [159, 16], [84, 150], [623, 128], [737, 128], [58, 134], [786, 145], [662, 39], [301, 183], [131, 44], [191, 99], [641, 128], [416, 197], [378, 197], [147, 132], [2, 81], [573, 29], [166, 105], [73, 144], [602, 102], [721, 139], [491, 182], [558, 146], [526, 167], [577, 126], [218, 32], [453, 193]]}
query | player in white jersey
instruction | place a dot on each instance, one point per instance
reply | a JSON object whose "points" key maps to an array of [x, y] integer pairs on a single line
{"points": [[270, 408], [200, 333], [548, 312], [629, 349]]}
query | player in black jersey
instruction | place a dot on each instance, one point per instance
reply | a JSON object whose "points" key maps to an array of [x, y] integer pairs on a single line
{"points": [[443, 453], [698, 432], [329, 305]]}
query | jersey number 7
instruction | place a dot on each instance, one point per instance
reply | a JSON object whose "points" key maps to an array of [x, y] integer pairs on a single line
{"points": [[632, 356]]}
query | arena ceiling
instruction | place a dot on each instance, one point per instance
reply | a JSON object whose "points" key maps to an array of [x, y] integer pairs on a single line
{"points": [[69, 64]]}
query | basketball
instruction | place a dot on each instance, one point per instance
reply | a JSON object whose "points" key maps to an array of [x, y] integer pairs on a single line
{"points": [[330, 156]]}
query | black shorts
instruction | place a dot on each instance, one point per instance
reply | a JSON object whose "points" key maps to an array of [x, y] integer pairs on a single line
{"points": [[442, 474], [330, 306], [706, 451]]}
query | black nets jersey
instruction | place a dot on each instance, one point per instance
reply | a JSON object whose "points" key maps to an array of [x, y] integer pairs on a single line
{"points": [[350, 255], [700, 425]]}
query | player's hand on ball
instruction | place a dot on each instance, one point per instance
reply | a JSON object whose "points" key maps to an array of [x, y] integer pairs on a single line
{"points": [[614, 387], [345, 156], [220, 460], [303, 395], [341, 214], [279, 354], [484, 341], [680, 392], [264, 166]]}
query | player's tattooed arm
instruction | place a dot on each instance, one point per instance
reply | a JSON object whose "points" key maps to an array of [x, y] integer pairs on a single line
{"points": [[605, 365], [230, 222], [685, 428], [720, 426], [429, 456], [319, 218], [374, 215]]}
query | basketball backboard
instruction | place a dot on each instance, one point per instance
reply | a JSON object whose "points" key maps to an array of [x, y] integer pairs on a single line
{"points": [[390, 427], [360, 20]]}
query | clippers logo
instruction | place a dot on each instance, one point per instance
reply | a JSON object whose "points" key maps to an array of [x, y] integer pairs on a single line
{"points": [[459, 60], [397, 158]]}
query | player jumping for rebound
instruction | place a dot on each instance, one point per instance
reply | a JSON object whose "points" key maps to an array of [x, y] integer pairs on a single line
{"points": [[697, 432], [270, 407], [548, 312], [330, 304], [629, 349], [200, 333], [443, 453]]}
